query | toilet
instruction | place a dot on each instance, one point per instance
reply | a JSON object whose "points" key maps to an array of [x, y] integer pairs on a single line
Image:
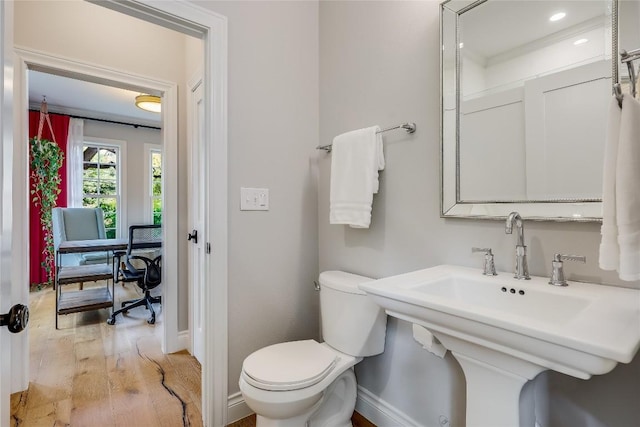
{"points": [[306, 383]]}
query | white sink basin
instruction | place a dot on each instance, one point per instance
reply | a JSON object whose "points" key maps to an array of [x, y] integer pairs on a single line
{"points": [[481, 293], [506, 331]]}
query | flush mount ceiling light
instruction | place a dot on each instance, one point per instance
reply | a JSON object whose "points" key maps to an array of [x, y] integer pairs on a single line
{"points": [[149, 103], [580, 41], [557, 16]]}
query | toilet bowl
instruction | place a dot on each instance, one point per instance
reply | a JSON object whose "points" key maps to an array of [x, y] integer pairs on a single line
{"points": [[306, 383], [282, 400]]}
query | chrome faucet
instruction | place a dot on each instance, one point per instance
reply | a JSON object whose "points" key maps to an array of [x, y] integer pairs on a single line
{"points": [[521, 268]]}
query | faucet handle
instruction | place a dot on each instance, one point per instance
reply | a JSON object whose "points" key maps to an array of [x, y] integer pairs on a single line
{"points": [[489, 266], [561, 257], [557, 268]]}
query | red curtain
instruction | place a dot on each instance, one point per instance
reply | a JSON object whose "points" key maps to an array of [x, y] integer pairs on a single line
{"points": [[60, 125]]}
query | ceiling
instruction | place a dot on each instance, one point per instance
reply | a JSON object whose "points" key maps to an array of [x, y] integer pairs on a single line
{"points": [[65, 95], [517, 23]]}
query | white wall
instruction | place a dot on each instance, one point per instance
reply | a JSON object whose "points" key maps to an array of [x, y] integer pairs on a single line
{"points": [[385, 70], [273, 131], [135, 139]]}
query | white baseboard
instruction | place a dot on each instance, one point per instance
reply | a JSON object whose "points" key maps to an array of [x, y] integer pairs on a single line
{"points": [[184, 340], [237, 409], [370, 406], [380, 412]]}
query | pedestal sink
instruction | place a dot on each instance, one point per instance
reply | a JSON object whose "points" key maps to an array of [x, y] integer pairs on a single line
{"points": [[505, 331]]}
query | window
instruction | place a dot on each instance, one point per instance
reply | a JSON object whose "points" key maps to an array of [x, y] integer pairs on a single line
{"points": [[101, 186], [155, 190]]}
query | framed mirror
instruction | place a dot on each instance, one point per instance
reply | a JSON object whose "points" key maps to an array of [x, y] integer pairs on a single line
{"points": [[525, 91]]}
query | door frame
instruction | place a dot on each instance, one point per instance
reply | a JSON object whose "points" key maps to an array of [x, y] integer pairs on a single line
{"points": [[26, 59], [211, 27], [194, 20]]}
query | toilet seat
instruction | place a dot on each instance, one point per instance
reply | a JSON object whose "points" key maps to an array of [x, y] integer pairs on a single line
{"points": [[289, 366]]}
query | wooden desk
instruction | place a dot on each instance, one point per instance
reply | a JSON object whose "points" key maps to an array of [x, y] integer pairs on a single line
{"points": [[96, 245], [101, 245]]}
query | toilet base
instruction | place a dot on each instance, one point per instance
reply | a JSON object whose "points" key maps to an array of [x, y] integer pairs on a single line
{"points": [[338, 403], [334, 409]]}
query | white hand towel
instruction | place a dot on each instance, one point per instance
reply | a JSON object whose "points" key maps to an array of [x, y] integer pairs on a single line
{"points": [[609, 253], [620, 246], [356, 158]]}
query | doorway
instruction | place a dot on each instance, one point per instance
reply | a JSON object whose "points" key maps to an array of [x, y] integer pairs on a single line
{"points": [[211, 28]]}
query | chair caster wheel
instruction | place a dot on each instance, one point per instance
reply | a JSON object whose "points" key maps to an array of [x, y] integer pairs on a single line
{"points": [[111, 321], [151, 321]]}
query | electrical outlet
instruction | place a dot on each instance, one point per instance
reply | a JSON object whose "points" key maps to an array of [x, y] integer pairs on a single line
{"points": [[254, 199]]}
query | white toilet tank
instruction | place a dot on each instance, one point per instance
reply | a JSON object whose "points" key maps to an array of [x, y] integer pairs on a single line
{"points": [[351, 322]]}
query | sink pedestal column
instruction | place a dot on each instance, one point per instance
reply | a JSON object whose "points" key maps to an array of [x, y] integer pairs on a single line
{"points": [[493, 394], [494, 384]]}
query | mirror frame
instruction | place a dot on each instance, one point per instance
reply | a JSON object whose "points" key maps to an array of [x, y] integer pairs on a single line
{"points": [[450, 204]]}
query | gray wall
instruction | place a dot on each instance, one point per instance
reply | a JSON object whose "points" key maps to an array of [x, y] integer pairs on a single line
{"points": [[273, 131], [379, 64]]}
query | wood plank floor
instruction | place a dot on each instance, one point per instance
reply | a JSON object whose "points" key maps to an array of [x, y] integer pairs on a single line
{"points": [[92, 374]]}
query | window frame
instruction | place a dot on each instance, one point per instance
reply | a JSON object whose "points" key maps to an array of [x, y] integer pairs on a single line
{"points": [[121, 176], [149, 150]]}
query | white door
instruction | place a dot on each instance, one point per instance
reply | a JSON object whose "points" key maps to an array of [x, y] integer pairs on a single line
{"points": [[6, 168], [197, 203]]}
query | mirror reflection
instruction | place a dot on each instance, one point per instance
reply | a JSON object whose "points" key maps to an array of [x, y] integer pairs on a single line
{"points": [[526, 89], [534, 99]]}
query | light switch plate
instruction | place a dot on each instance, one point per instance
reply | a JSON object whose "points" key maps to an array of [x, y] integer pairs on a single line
{"points": [[254, 199]]}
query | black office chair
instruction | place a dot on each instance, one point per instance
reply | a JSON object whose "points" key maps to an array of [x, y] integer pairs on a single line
{"points": [[141, 237]]}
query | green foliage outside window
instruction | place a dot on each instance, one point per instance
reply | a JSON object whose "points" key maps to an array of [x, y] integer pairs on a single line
{"points": [[156, 186], [100, 184]]}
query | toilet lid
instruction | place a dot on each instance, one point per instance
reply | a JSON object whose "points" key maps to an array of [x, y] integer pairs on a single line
{"points": [[289, 366]]}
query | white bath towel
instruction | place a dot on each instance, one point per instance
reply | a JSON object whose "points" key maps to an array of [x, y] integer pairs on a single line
{"points": [[620, 246], [356, 158]]}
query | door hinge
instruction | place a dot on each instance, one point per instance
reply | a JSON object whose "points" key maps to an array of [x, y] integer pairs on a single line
{"points": [[208, 248]]}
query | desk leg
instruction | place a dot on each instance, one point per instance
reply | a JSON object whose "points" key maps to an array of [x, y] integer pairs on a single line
{"points": [[113, 295], [55, 271], [56, 286], [57, 289]]}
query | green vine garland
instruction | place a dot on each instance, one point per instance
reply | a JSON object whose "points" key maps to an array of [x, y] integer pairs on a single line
{"points": [[45, 158]]}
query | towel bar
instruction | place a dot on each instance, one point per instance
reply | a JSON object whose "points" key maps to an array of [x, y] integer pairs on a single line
{"points": [[408, 127], [628, 58]]}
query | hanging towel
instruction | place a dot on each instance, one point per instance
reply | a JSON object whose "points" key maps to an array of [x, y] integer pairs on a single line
{"points": [[620, 246], [609, 253], [356, 158]]}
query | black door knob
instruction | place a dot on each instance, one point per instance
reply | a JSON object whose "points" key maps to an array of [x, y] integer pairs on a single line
{"points": [[193, 236], [16, 319]]}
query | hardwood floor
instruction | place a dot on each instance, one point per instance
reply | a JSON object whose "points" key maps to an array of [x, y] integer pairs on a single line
{"points": [[92, 374]]}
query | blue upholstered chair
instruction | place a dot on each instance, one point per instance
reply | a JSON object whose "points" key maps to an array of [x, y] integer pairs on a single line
{"points": [[78, 224]]}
